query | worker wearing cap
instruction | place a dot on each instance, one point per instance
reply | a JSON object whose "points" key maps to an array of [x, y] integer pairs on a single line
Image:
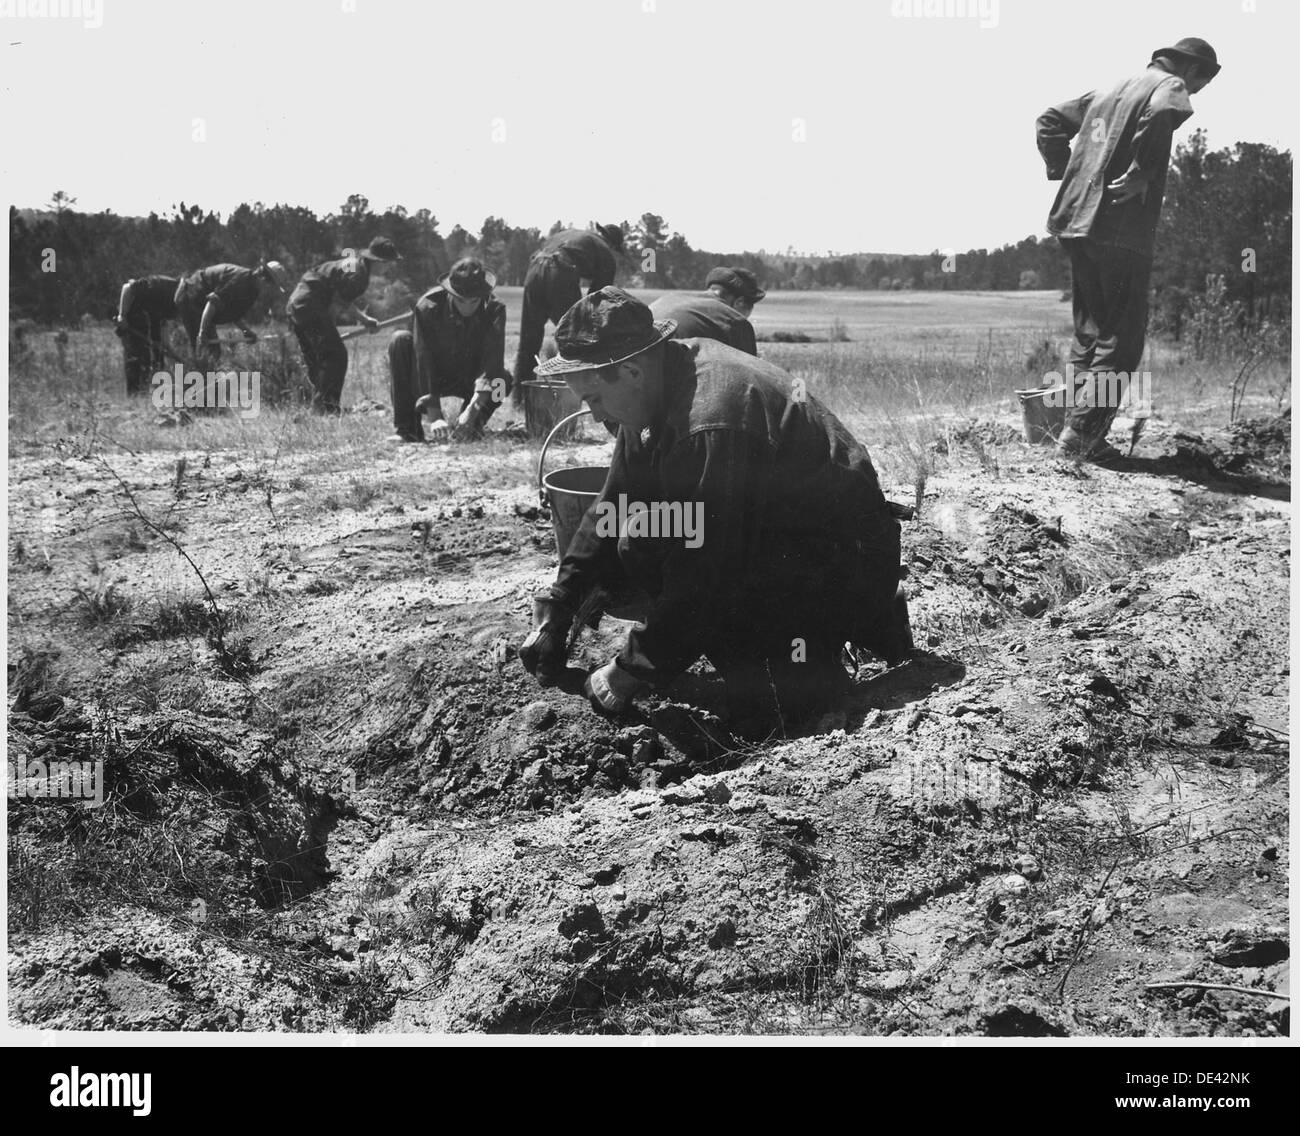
{"points": [[144, 306], [225, 293], [455, 349], [1105, 216], [325, 292], [721, 312], [794, 551], [571, 262]]}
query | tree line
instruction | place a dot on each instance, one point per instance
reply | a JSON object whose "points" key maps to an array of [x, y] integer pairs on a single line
{"points": [[1227, 215]]}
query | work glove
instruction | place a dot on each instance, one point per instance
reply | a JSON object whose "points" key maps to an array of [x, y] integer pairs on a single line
{"points": [[371, 324], [250, 336], [543, 652], [611, 689]]}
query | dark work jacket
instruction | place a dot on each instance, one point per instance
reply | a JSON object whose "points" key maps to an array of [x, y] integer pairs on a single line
{"points": [[334, 282], [701, 315], [452, 351], [1129, 127], [587, 252], [235, 289], [153, 298], [791, 506]]}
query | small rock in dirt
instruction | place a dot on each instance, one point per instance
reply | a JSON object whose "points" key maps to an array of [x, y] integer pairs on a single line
{"points": [[628, 738], [719, 793], [907, 722], [724, 935], [1013, 884], [538, 773], [605, 873], [1027, 866], [582, 918], [683, 794], [645, 752]]}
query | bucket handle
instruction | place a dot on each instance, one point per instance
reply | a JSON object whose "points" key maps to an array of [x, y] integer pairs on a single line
{"points": [[541, 460]]}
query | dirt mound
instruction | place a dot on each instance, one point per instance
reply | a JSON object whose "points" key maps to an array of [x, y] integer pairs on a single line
{"points": [[1265, 442], [977, 434], [390, 825], [190, 811]]}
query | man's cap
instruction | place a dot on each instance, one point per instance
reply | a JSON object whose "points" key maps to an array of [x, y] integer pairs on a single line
{"points": [[381, 248], [468, 279], [277, 273], [602, 329], [1195, 50], [738, 281], [613, 236]]}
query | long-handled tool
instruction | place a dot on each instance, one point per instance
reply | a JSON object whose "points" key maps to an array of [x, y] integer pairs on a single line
{"points": [[382, 324], [1139, 424]]}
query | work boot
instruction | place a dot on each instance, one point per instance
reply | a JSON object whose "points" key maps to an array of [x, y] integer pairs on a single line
{"points": [[1072, 444], [1105, 455]]}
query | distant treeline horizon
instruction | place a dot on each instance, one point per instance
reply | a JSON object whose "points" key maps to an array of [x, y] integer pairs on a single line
{"points": [[66, 265]]}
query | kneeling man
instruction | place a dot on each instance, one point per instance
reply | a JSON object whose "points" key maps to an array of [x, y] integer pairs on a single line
{"points": [[456, 349], [790, 551]]}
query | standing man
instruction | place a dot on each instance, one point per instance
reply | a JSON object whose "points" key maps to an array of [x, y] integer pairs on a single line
{"points": [[570, 264], [225, 293], [722, 312], [146, 303], [455, 349], [325, 292], [772, 544], [1105, 216]]}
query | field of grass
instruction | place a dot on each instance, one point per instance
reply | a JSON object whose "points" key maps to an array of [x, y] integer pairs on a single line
{"points": [[912, 362]]}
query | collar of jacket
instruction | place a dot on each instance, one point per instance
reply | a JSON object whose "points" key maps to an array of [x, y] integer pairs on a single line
{"points": [[677, 394]]}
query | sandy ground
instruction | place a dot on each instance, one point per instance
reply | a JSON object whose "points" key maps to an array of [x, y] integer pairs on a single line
{"points": [[355, 811]]}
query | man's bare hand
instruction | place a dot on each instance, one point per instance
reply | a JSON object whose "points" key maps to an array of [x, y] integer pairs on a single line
{"points": [[468, 428], [1127, 187], [439, 431]]}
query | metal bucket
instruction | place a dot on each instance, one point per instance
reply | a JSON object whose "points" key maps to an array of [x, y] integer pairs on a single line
{"points": [[546, 402], [569, 492], [1043, 423]]}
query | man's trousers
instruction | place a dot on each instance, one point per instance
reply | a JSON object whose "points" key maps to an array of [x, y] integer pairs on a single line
{"points": [[551, 288], [326, 358], [1111, 287]]}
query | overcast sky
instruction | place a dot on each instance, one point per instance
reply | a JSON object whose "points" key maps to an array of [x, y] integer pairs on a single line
{"points": [[918, 132]]}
